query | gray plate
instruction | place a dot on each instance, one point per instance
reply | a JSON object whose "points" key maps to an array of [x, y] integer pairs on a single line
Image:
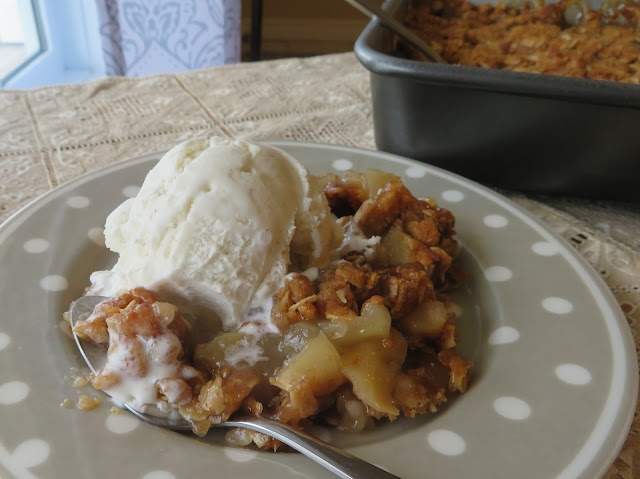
{"points": [[554, 383]]}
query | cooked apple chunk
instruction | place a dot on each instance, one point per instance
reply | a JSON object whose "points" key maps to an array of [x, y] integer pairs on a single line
{"points": [[316, 368], [366, 336], [372, 367], [374, 322]]}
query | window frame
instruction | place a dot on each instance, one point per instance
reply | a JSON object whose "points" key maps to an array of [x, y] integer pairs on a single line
{"points": [[42, 44], [70, 49]]}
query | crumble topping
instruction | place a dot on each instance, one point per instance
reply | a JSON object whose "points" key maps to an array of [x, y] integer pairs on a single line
{"points": [[368, 337], [87, 403], [565, 38], [145, 339]]}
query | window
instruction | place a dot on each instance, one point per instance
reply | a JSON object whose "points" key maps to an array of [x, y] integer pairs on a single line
{"points": [[20, 37], [63, 41], [67, 48]]}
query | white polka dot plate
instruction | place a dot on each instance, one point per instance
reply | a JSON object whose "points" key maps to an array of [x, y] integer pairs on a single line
{"points": [[554, 381]]}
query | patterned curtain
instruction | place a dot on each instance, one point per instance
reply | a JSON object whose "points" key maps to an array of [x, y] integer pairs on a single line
{"points": [[140, 37]]}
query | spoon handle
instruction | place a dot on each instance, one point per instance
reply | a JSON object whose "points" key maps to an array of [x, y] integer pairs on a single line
{"points": [[371, 10], [341, 463]]}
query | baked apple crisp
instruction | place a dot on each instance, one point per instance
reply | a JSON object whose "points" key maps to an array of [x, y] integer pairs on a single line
{"points": [[369, 337], [565, 38]]}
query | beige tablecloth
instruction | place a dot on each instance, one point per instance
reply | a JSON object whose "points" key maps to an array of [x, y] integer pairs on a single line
{"points": [[50, 135]]}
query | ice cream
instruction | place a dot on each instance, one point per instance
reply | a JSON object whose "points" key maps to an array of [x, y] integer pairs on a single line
{"points": [[219, 229], [214, 229]]}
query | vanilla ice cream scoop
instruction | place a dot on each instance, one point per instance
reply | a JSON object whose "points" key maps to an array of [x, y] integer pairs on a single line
{"points": [[214, 227]]}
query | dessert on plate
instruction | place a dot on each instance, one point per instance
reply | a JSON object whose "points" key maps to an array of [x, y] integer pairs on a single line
{"points": [[246, 284]]}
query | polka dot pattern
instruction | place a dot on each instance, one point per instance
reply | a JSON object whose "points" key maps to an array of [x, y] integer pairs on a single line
{"points": [[36, 245], [13, 392], [557, 305], [446, 442], [96, 235], [416, 171], [544, 248], [158, 475], [130, 191], [78, 202], [573, 374], [453, 196], [323, 434], [512, 408], [5, 340], [504, 335], [455, 308], [121, 423], [443, 441], [342, 165], [31, 453], [237, 454], [495, 221], [54, 283], [498, 274]]}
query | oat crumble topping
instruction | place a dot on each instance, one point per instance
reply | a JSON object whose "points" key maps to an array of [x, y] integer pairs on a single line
{"points": [[369, 337], [565, 38]]}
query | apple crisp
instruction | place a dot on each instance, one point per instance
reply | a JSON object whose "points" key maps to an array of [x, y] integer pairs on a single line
{"points": [[565, 38], [368, 338]]}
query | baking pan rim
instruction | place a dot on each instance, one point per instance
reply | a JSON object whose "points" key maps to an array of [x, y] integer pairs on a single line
{"points": [[584, 90]]}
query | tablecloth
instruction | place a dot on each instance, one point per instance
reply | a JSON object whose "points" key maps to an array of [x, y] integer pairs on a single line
{"points": [[51, 135]]}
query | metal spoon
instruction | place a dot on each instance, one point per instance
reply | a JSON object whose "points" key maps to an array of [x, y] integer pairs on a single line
{"points": [[373, 11], [339, 462]]}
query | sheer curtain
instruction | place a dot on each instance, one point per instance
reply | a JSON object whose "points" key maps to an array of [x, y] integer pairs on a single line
{"points": [[140, 37]]}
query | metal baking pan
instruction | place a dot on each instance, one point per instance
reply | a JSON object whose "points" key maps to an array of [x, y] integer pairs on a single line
{"points": [[522, 131]]}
